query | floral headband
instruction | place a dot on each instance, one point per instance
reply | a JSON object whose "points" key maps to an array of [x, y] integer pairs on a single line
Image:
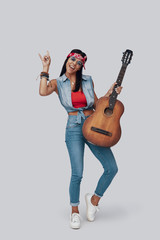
{"points": [[76, 55]]}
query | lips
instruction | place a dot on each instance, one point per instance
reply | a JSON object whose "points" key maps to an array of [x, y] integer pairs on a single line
{"points": [[71, 67]]}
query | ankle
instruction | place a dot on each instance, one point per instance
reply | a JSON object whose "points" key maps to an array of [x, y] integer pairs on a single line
{"points": [[75, 209], [94, 200]]}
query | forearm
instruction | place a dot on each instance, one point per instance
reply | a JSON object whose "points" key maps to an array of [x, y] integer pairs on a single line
{"points": [[107, 94], [43, 83], [117, 89]]}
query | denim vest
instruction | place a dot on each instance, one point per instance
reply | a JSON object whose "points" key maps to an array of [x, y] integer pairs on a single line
{"points": [[64, 94]]}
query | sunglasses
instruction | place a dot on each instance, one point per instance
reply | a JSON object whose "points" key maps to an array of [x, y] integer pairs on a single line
{"points": [[78, 62]]}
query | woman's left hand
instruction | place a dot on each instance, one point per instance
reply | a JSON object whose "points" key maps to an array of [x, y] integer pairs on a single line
{"points": [[118, 90]]}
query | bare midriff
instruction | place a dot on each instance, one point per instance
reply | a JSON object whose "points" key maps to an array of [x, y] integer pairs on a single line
{"points": [[86, 112]]}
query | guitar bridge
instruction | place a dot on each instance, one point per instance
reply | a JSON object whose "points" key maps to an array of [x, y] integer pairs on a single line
{"points": [[101, 131]]}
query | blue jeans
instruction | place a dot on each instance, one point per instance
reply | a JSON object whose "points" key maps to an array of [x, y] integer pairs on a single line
{"points": [[75, 143]]}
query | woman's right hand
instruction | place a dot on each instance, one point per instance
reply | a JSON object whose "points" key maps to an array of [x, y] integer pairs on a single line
{"points": [[46, 60]]}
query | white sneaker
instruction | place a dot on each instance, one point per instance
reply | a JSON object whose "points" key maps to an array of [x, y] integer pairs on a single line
{"points": [[91, 209], [75, 220]]}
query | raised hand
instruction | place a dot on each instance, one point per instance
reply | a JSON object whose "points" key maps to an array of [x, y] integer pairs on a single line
{"points": [[46, 60]]}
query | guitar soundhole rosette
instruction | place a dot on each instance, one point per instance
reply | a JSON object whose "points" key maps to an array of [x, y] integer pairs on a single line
{"points": [[108, 112]]}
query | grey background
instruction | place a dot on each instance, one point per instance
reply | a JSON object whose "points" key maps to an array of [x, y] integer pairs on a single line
{"points": [[34, 167]]}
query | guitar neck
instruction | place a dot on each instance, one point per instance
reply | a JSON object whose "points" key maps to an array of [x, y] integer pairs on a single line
{"points": [[127, 56], [121, 75], [113, 97]]}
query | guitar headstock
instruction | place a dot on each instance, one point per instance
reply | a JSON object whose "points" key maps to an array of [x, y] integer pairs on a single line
{"points": [[127, 56]]}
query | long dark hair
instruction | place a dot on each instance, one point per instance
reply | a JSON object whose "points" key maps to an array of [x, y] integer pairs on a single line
{"points": [[78, 73]]}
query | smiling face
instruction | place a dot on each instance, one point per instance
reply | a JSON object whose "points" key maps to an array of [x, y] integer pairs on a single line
{"points": [[73, 65]]}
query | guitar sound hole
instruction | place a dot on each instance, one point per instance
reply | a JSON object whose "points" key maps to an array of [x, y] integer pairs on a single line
{"points": [[108, 112]]}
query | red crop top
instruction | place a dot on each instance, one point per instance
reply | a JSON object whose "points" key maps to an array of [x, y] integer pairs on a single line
{"points": [[78, 99]]}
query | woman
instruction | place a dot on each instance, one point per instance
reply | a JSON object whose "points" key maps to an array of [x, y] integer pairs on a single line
{"points": [[76, 94]]}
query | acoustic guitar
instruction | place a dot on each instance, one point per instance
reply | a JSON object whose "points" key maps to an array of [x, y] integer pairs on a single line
{"points": [[103, 128]]}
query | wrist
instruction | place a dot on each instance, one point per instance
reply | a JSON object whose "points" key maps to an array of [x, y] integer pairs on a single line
{"points": [[44, 75], [46, 69]]}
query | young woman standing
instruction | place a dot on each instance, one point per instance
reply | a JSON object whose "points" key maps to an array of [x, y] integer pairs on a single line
{"points": [[76, 94]]}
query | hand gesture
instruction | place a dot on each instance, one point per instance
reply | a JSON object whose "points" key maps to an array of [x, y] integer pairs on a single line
{"points": [[46, 60]]}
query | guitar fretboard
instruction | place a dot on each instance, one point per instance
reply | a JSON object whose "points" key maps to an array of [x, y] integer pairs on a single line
{"points": [[121, 75], [113, 97]]}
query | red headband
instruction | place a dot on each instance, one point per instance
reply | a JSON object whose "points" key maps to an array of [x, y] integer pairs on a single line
{"points": [[76, 55]]}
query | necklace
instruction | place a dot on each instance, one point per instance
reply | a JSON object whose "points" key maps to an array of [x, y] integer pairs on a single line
{"points": [[72, 83]]}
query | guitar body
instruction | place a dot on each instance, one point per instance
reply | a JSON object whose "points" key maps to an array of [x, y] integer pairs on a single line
{"points": [[105, 120]]}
